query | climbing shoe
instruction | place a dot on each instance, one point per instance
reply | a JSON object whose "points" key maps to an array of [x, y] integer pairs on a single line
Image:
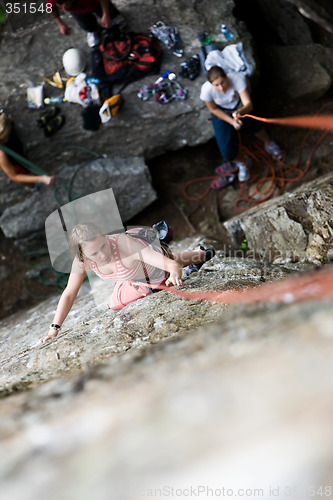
{"points": [[54, 125], [194, 268], [227, 167], [222, 181], [243, 173], [190, 68], [47, 115]]}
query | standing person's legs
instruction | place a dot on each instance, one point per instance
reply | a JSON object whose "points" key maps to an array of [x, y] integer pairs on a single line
{"points": [[226, 139], [87, 22], [114, 12]]}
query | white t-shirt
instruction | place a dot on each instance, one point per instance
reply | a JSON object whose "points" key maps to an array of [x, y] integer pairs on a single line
{"points": [[229, 100]]}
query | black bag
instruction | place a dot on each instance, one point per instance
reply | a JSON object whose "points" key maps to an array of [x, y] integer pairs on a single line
{"points": [[203, 53]]}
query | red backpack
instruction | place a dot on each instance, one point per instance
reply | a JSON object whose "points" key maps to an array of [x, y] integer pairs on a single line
{"points": [[129, 56]]}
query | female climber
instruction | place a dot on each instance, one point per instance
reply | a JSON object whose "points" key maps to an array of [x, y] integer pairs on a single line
{"points": [[227, 98], [138, 266]]}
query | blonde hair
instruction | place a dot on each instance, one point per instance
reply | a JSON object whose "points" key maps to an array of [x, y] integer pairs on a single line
{"points": [[81, 233], [214, 72]]}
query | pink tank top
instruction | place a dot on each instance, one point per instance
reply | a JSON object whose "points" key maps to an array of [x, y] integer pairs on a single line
{"points": [[139, 272]]}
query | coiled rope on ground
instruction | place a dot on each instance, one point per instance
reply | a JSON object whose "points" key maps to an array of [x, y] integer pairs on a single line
{"points": [[270, 177]]}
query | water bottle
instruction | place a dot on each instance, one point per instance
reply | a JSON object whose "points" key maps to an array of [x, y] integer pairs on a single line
{"points": [[94, 81], [226, 32], [54, 100]]}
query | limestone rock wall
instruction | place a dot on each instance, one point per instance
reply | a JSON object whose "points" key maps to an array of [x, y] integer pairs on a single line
{"points": [[293, 65], [320, 13], [295, 226]]}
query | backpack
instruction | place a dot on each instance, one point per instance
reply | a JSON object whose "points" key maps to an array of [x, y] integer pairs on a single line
{"points": [[125, 57], [161, 234], [158, 236]]}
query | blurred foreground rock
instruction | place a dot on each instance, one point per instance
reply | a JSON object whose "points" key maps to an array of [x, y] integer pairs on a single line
{"points": [[170, 394]]}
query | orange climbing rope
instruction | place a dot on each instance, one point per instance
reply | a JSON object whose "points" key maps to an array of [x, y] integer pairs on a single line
{"points": [[312, 286], [270, 177]]}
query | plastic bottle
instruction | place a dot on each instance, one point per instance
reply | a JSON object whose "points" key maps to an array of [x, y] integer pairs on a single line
{"points": [[54, 100], [226, 32], [90, 81], [204, 38]]}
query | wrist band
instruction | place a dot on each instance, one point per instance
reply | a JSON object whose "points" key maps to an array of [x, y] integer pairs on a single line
{"points": [[55, 326]]}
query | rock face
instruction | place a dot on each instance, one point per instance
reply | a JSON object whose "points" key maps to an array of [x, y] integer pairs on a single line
{"points": [[292, 227], [296, 70], [286, 21], [128, 177], [293, 65], [287, 17], [168, 391], [320, 13]]}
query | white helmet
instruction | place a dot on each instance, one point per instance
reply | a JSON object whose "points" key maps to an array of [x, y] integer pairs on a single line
{"points": [[73, 61]]}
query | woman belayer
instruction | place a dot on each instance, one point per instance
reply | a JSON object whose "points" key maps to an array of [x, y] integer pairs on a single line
{"points": [[228, 99]]}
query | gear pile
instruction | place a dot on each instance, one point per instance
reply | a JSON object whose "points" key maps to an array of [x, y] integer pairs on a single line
{"points": [[169, 36], [163, 92]]}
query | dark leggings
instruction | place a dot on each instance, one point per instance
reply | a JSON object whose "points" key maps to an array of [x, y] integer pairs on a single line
{"points": [[227, 137], [88, 21]]}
